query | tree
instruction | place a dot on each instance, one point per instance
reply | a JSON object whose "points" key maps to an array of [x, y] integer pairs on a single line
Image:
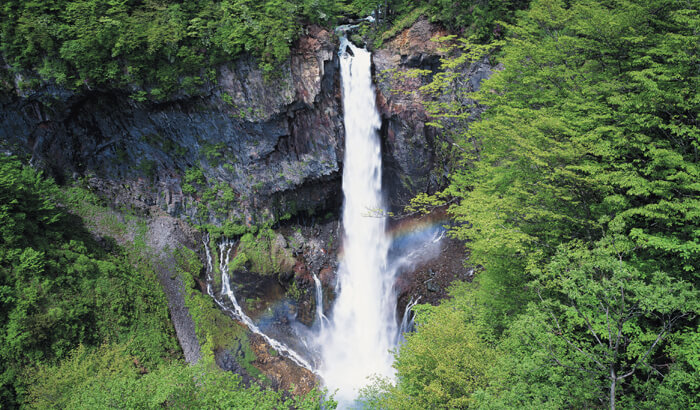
{"points": [[614, 317], [443, 363], [108, 377], [59, 288], [577, 191]]}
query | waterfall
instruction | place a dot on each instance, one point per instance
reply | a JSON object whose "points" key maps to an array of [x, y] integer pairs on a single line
{"points": [[354, 340], [237, 312], [362, 327], [406, 321], [319, 303]]}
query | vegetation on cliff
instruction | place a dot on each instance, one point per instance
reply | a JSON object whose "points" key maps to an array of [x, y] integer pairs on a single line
{"points": [[161, 45], [61, 288], [85, 323], [578, 193], [156, 48]]}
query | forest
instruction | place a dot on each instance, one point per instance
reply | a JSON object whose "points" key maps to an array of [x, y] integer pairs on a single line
{"points": [[577, 194], [160, 46]]}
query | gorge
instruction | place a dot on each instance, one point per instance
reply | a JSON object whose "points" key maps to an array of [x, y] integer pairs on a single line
{"points": [[230, 204], [276, 150]]}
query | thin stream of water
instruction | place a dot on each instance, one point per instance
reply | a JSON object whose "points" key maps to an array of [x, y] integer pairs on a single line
{"points": [[225, 248], [319, 303]]}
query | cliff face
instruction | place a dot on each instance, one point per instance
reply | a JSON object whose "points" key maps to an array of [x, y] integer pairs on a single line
{"points": [[245, 148], [266, 139], [275, 144], [410, 162]]}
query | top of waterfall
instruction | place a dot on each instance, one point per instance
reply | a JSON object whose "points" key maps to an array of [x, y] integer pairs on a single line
{"points": [[344, 44], [347, 27], [343, 30]]}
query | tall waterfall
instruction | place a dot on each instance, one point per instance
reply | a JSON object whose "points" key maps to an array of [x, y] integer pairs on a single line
{"points": [[362, 328]]}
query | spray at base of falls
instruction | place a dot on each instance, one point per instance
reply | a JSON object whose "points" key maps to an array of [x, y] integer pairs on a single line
{"points": [[225, 248]]}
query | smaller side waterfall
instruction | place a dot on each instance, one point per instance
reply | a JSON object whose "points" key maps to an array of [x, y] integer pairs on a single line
{"points": [[225, 248], [319, 303], [407, 320]]}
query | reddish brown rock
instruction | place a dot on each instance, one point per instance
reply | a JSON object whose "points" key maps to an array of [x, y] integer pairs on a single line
{"points": [[410, 165], [281, 371]]}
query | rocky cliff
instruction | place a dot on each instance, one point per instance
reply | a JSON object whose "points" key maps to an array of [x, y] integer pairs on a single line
{"points": [[411, 165], [246, 148], [265, 146], [273, 143]]}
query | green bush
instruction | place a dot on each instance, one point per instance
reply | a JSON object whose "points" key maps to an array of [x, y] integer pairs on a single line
{"points": [[59, 288], [162, 46]]}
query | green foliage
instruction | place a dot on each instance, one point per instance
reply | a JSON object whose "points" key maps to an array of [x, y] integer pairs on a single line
{"points": [[295, 293], [59, 288], [444, 362], [261, 251], [561, 157], [400, 24], [83, 369], [212, 198], [577, 191], [164, 46], [87, 328], [108, 377], [214, 152], [443, 366], [161, 46], [481, 20], [592, 320]]}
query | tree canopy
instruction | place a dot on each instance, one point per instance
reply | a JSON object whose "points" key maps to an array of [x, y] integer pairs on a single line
{"points": [[578, 192], [158, 47]]}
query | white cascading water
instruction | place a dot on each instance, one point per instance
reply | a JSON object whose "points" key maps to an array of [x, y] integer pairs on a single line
{"points": [[407, 320], [225, 248], [362, 329], [319, 303]]}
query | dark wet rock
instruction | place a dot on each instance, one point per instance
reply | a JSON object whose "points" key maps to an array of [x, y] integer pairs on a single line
{"points": [[316, 249], [430, 280], [276, 142], [432, 286], [282, 373]]}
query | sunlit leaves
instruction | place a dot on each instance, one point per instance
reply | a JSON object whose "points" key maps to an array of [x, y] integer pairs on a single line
{"points": [[579, 196]]}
